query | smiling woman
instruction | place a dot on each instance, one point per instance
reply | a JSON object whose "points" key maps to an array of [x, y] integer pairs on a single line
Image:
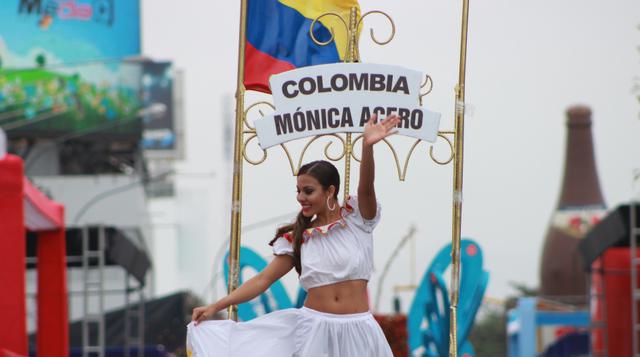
{"points": [[331, 248]]}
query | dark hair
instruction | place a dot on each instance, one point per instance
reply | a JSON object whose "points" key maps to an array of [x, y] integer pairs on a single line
{"points": [[327, 175]]}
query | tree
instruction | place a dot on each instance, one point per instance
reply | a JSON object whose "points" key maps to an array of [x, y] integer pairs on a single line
{"points": [[489, 334], [41, 60]]}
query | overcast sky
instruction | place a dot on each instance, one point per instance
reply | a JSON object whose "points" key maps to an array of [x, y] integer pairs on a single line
{"points": [[527, 62]]}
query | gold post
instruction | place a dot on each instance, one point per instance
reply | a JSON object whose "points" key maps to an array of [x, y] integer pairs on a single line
{"points": [[457, 184], [351, 56], [236, 200]]}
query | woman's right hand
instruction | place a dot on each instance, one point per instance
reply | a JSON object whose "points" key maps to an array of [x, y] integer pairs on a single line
{"points": [[376, 130], [202, 313]]}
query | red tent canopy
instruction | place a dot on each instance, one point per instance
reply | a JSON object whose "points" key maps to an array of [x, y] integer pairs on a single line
{"points": [[40, 213], [22, 207]]}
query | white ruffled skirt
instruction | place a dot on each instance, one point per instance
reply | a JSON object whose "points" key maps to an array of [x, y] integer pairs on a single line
{"points": [[290, 333]]}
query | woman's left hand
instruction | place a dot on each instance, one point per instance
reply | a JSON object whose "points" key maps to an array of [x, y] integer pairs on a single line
{"points": [[376, 130]]}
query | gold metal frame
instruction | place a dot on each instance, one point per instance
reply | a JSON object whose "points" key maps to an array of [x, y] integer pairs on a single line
{"points": [[245, 133], [457, 183], [236, 195]]}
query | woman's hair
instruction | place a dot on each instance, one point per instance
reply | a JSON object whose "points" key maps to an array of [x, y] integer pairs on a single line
{"points": [[327, 175]]}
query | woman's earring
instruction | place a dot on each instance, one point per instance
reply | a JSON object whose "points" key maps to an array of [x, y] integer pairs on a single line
{"points": [[331, 208]]}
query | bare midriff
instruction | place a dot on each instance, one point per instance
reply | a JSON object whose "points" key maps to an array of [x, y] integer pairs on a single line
{"points": [[345, 297]]}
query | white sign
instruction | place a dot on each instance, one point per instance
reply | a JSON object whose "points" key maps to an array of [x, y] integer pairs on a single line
{"points": [[340, 97]]}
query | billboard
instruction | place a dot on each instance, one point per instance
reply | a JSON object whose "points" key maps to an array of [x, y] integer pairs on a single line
{"points": [[38, 33], [54, 101], [157, 88], [62, 67]]}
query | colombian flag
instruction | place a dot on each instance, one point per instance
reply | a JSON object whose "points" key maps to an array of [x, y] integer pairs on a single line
{"points": [[278, 37]]}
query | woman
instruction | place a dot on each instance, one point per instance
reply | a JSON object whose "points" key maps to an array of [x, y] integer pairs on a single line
{"points": [[333, 255]]}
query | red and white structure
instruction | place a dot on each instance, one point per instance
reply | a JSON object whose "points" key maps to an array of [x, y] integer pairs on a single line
{"points": [[24, 208]]}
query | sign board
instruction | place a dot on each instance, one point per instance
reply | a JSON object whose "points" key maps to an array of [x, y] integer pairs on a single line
{"points": [[63, 68], [99, 97], [41, 33], [157, 82], [340, 97]]}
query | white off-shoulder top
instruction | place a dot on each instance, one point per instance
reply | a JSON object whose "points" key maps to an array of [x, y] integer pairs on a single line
{"points": [[339, 251]]}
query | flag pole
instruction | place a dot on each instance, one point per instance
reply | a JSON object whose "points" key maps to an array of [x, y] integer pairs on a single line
{"points": [[351, 56], [236, 195], [457, 184]]}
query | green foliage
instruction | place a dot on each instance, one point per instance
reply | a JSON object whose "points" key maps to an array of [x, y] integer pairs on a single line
{"points": [[521, 291], [41, 60], [489, 335]]}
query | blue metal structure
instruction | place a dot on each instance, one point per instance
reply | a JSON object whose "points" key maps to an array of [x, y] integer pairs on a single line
{"points": [[524, 320], [428, 319]]}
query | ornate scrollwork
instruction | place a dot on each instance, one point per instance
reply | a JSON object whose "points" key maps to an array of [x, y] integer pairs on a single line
{"points": [[402, 171], [373, 37], [395, 159], [313, 23], [402, 174], [251, 107], [428, 84], [442, 134], [352, 27], [294, 172], [326, 149], [250, 132], [295, 167], [353, 152], [393, 152], [246, 156]]}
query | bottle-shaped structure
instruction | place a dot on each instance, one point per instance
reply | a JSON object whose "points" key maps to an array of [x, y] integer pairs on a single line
{"points": [[580, 207]]}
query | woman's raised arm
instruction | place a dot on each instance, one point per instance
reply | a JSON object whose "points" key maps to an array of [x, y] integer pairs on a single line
{"points": [[374, 131]]}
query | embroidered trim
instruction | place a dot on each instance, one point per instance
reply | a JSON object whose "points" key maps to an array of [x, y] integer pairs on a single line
{"points": [[323, 230]]}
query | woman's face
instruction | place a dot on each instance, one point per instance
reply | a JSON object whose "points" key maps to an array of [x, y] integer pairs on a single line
{"points": [[311, 195]]}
